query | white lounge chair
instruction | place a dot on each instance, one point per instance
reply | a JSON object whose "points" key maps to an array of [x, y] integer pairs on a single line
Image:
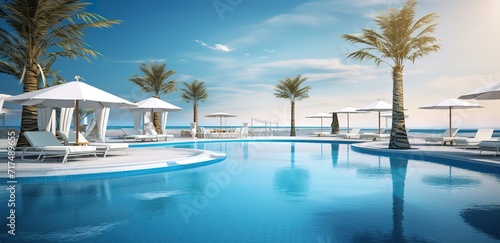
{"points": [[354, 133], [444, 137], [384, 133], [154, 135], [489, 145], [132, 133], [483, 134], [45, 144], [103, 148]]}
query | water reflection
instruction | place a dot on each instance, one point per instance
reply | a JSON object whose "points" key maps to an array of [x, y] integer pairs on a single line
{"points": [[293, 181], [334, 147], [374, 172], [450, 181], [398, 173], [485, 218]]}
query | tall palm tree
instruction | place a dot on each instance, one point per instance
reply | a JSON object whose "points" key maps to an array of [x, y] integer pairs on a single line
{"points": [[401, 38], [155, 82], [290, 89], [35, 34], [195, 92]]}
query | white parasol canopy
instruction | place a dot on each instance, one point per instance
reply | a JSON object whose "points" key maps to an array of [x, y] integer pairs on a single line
{"points": [[156, 104], [220, 115], [320, 115], [378, 106], [75, 94], [490, 92], [449, 104], [348, 110]]}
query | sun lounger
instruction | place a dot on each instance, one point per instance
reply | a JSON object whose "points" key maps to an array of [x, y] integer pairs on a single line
{"points": [[45, 144], [103, 148], [154, 135], [489, 145], [384, 133], [354, 133], [132, 133], [322, 134], [483, 134], [443, 138]]}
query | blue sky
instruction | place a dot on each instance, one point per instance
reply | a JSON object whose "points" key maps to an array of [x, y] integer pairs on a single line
{"points": [[242, 48]]}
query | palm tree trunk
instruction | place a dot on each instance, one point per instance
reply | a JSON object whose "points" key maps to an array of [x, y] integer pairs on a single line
{"points": [[292, 119], [335, 124], [195, 112], [29, 113], [399, 138], [157, 122]]}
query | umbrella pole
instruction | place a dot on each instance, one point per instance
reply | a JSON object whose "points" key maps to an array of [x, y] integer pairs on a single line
{"points": [[321, 124], [378, 123], [76, 122], [449, 111], [347, 123]]}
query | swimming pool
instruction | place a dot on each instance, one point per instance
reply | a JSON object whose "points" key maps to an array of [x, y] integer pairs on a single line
{"points": [[269, 192]]}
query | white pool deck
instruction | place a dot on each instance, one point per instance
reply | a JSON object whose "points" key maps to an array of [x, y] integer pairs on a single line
{"points": [[144, 158]]}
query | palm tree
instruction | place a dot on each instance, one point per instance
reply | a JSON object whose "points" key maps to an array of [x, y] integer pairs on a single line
{"points": [[35, 34], [155, 81], [290, 89], [401, 38], [195, 92]]}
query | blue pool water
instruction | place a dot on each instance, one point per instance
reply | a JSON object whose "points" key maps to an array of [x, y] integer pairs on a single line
{"points": [[268, 192]]}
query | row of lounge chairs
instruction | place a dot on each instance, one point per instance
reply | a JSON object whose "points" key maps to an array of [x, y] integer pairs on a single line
{"points": [[355, 133], [150, 134], [46, 144], [237, 133]]}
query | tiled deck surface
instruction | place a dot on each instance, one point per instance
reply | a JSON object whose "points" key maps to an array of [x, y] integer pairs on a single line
{"points": [[158, 157]]}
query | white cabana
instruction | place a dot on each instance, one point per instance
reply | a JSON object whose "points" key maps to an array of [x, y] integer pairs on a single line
{"points": [[46, 117], [101, 116], [74, 94], [146, 108], [65, 118]]}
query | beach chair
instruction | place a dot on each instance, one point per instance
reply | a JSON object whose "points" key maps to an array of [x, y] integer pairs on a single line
{"points": [[483, 134], [132, 133], [236, 133], [354, 133], [151, 132], [103, 148], [45, 144], [444, 137], [384, 133], [489, 145]]}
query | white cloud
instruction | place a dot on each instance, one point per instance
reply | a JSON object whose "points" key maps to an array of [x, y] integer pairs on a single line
{"points": [[218, 47], [270, 51]]}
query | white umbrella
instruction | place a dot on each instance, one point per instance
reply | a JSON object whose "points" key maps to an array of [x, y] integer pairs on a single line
{"points": [[490, 92], [378, 106], [220, 115], [449, 104], [156, 105], [320, 115], [348, 110], [71, 94]]}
